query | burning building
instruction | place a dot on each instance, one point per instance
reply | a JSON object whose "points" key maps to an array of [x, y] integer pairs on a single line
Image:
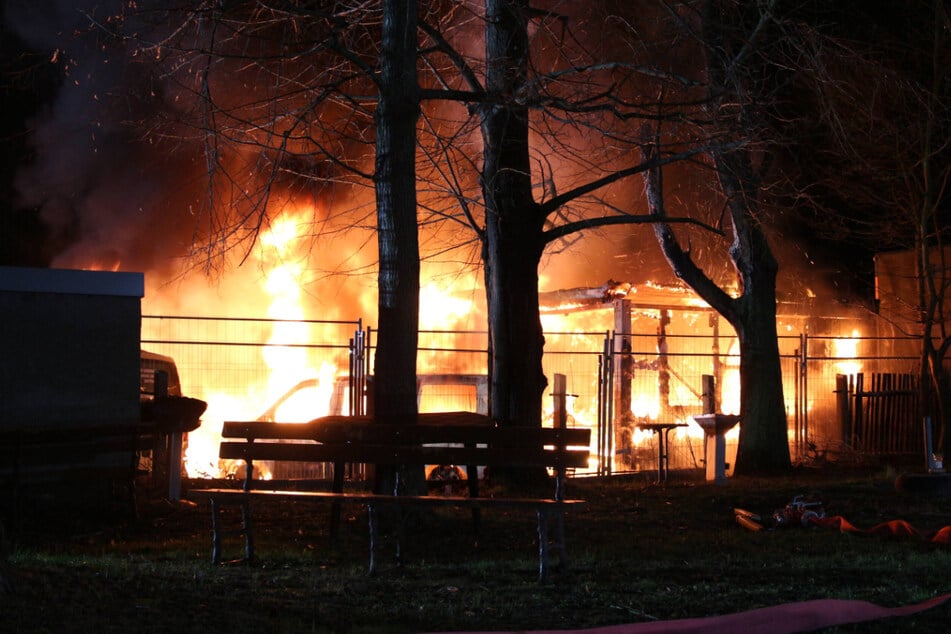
{"points": [[631, 353]]}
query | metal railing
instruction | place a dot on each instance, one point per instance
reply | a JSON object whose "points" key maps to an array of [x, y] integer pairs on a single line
{"points": [[237, 367]]}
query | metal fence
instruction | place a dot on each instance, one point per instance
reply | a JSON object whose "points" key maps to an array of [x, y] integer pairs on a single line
{"points": [[293, 371]]}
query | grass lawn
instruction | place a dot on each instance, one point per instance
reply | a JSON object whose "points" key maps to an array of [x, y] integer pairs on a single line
{"points": [[639, 552]]}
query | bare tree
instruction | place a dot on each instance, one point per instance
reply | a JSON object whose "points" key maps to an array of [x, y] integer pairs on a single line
{"points": [[539, 94], [543, 100], [539, 91], [518, 228], [730, 37], [882, 138], [332, 103]]}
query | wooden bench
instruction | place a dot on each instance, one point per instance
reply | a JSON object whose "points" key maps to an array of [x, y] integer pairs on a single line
{"points": [[455, 438]]}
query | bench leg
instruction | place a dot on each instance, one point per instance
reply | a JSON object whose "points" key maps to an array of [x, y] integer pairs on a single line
{"points": [[546, 517], [374, 517], [472, 480], [215, 533], [338, 475], [247, 529], [542, 544], [560, 539], [374, 522], [401, 520]]}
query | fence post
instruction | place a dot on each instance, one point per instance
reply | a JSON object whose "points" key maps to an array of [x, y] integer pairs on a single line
{"points": [[606, 406], [842, 405], [858, 412], [560, 402], [931, 459], [708, 393]]}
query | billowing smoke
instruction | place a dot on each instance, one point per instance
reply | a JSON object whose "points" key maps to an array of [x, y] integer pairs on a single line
{"points": [[104, 192], [120, 184], [118, 192]]}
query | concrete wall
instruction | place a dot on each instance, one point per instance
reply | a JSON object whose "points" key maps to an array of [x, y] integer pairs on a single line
{"points": [[69, 348]]}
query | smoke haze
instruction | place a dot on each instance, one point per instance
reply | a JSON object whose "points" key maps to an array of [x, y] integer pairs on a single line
{"points": [[117, 195]]}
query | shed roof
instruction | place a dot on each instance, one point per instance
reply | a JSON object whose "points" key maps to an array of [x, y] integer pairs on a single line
{"points": [[71, 281]]}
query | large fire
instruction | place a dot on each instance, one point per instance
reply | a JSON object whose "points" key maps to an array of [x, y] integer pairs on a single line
{"points": [[300, 383], [281, 255], [277, 280]]}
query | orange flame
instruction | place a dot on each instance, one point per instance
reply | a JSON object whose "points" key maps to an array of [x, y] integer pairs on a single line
{"points": [[846, 351]]}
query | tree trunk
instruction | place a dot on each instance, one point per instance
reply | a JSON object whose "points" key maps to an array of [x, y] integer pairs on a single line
{"points": [[943, 380], [514, 222], [764, 447], [515, 332], [764, 444], [934, 390], [395, 179]]}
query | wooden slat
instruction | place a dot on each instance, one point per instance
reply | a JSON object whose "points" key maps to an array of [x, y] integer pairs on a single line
{"points": [[359, 440], [405, 454], [43, 435], [446, 438], [65, 452], [885, 417], [359, 430], [379, 498], [432, 434]]}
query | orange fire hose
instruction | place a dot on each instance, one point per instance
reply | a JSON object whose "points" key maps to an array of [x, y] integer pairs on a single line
{"points": [[897, 528]]}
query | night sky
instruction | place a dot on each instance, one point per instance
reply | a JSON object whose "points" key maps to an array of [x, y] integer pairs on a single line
{"points": [[28, 83]]}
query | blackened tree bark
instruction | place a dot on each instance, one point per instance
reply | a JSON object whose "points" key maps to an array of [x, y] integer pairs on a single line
{"points": [[514, 222], [518, 227], [732, 68], [395, 180], [763, 447], [394, 390]]}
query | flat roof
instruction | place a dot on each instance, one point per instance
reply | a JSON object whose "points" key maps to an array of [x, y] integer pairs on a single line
{"points": [[71, 281]]}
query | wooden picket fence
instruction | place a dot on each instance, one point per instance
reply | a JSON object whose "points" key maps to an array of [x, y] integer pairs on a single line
{"points": [[882, 414]]}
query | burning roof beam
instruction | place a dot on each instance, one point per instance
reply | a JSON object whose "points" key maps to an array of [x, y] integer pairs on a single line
{"points": [[644, 296]]}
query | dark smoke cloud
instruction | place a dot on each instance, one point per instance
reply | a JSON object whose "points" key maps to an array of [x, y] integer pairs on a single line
{"points": [[111, 197], [114, 197]]}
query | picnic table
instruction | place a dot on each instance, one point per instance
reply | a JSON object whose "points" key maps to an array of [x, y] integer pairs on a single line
{"points": [[445, 438]]}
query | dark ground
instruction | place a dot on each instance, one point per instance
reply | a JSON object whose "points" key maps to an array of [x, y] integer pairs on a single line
{"points": [[639, 552]]}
